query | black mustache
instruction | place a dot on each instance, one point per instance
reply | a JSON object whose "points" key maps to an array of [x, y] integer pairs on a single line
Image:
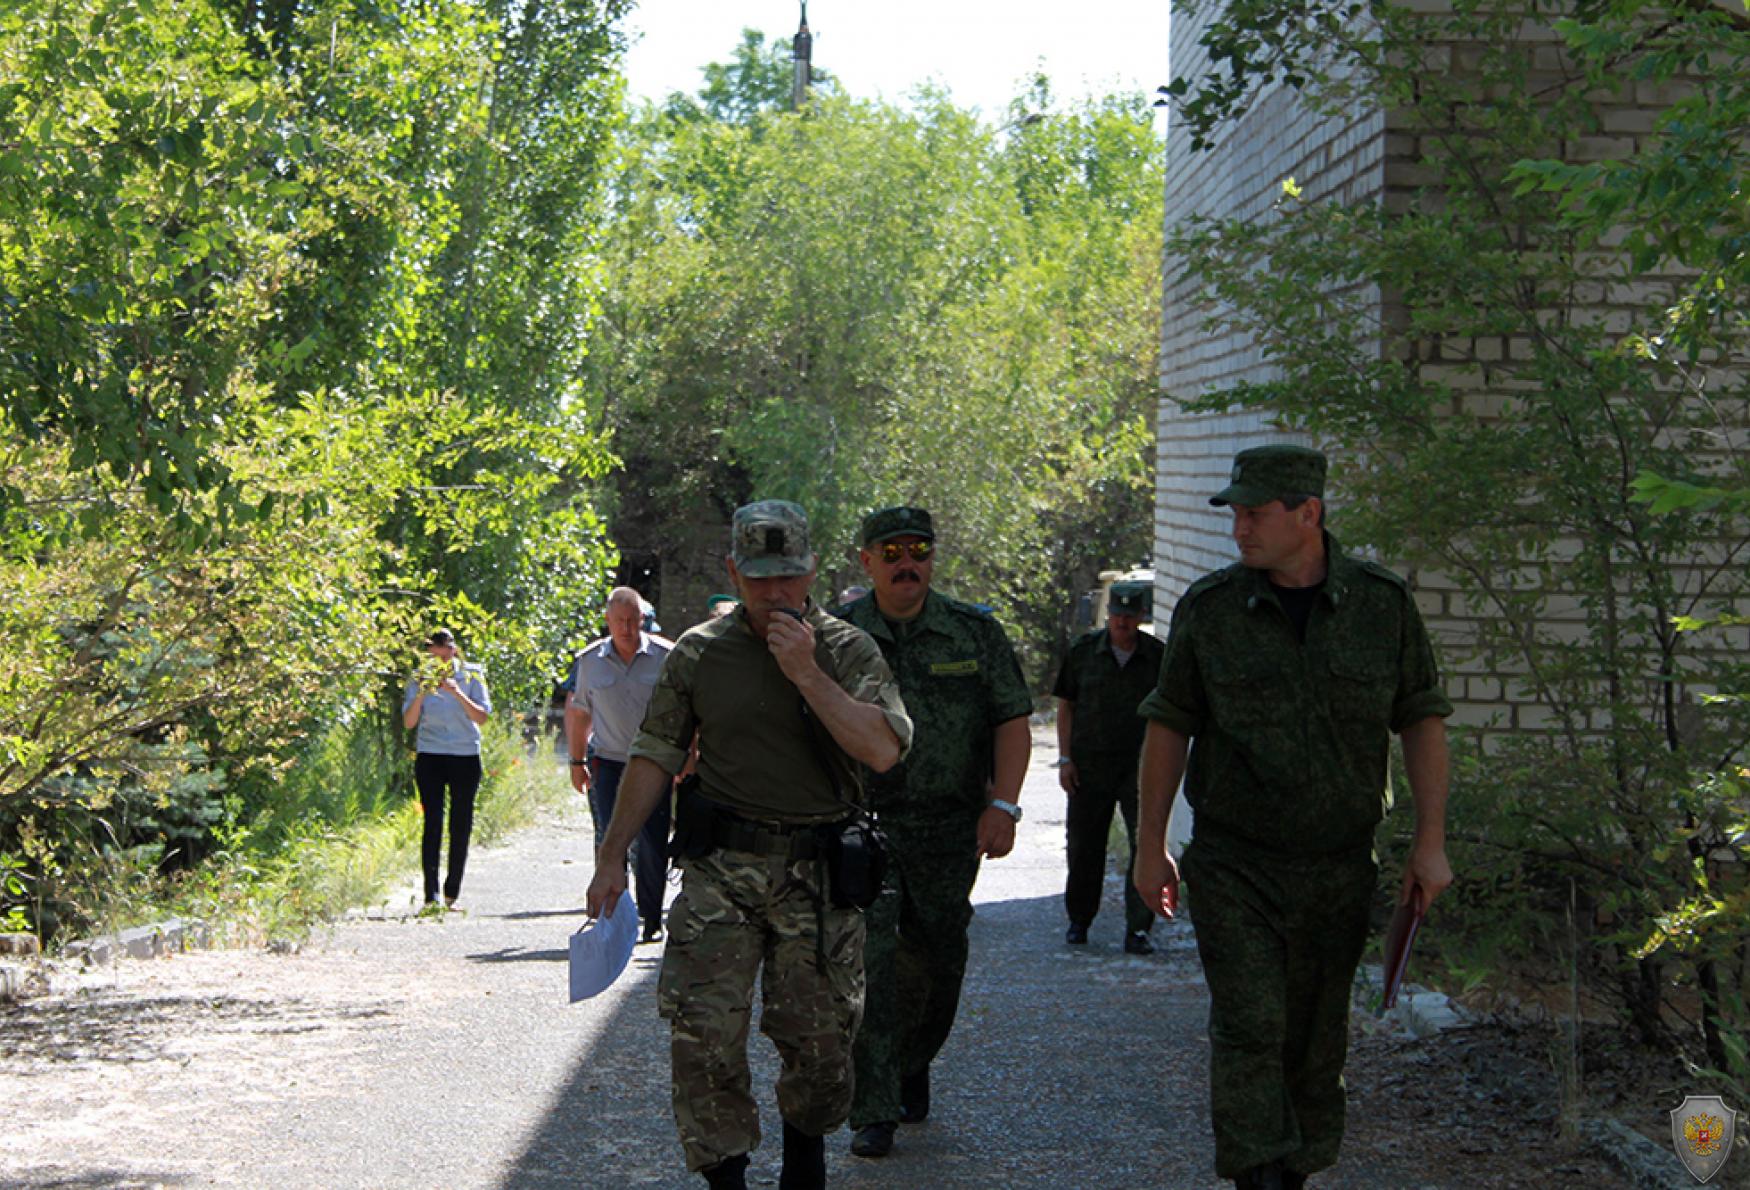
{"points": [[913, 575]]}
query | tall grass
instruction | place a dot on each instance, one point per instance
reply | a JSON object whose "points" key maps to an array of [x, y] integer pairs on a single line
{"points": [[341, 838]]}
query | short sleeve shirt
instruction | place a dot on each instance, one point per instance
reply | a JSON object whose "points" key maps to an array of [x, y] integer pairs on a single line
{"points": [[758, 755], [960, 679], [444, 726], [1105, 726], [1289, 741], [615, 692]]}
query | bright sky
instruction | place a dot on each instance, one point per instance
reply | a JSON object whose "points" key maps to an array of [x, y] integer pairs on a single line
{"points": [[978, 49]]}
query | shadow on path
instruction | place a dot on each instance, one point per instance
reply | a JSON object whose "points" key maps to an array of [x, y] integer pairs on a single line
{"points": [[114, 1027], [1036, 1088]]}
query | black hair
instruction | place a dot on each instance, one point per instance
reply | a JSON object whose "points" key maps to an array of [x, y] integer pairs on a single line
{"points": [[1293, 502]]}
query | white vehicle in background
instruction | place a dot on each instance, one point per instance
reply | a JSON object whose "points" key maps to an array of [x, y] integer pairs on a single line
{"points": [[1091, 606]]}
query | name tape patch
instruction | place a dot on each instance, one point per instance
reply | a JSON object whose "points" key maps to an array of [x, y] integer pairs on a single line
{"points": [[955, 669]]}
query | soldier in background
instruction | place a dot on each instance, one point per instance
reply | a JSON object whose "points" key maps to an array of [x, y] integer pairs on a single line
{"points": [[1107, 673], [950, 804], [786, 702], [1283, 679]]}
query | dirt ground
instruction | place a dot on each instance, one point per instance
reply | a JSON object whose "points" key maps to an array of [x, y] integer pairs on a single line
{"points": [[408, 1052]]}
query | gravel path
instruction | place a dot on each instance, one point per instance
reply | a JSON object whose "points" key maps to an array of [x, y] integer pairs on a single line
{"points": [[410, 1052]]}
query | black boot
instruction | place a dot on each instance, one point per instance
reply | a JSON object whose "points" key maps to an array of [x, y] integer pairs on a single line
{"points": [[1261, 1177], [804, 1160], [874, 1140], [914, 1097], [728, 1174]]}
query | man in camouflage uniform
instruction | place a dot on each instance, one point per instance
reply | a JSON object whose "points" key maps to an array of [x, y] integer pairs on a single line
{"points": [[951, 803], [1284, 677], [785, 707], [1099, 735]]}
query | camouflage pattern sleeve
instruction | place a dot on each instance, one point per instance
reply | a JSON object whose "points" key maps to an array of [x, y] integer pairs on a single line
{"points": [[1419, 693], [1007, 690], [1178, 701], [666, 734], [864, 675]]}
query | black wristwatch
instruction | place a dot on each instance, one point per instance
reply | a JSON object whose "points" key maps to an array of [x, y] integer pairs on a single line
{"points": [[579, 763]]}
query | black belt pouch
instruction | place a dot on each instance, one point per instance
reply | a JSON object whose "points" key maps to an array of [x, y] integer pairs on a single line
{"points": [[856, 860], [694, 822]]}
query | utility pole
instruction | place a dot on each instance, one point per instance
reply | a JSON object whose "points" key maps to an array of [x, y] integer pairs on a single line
{"points": [[801, 60]]}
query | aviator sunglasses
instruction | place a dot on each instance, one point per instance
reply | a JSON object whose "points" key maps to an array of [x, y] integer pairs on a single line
{"points": [[920, 551]]}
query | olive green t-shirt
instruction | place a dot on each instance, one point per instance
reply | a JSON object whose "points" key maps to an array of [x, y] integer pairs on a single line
{"points": [[757, 753]]}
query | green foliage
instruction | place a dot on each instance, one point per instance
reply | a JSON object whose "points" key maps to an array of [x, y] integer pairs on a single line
{"points": [[294, 306], [275, 879], [864, 305], [756, 80], [1555, 336], [150, 175]]}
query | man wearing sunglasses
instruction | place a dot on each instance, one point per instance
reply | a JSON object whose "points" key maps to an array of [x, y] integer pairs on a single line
{"points": [[949, 804]]}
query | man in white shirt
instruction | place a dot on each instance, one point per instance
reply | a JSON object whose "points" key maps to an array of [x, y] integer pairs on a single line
{"points": [[611, 684]]}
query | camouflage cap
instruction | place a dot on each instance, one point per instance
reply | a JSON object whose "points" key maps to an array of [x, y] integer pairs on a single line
{"points": [[1266, 473], [769, 539], [900, 521]]}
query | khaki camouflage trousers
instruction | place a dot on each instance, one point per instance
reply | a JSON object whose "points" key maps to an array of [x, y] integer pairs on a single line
{"points": [[1280, 940], [741, 919]]}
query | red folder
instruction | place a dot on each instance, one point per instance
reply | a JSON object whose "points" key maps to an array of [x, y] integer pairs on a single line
{"points": [[1398, 937]]}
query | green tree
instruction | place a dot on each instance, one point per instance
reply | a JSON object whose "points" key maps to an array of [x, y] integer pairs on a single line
{"points": [[756, 80], [863, 305], [294, 303], [1526, 373]]}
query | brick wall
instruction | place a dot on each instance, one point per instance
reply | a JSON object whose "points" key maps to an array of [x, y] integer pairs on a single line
{"points": [[1358, 157], [1241, 176]]}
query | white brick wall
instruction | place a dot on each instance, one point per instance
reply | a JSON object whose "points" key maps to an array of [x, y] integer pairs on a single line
{"points": [[1242, 176], [1359, 157]]}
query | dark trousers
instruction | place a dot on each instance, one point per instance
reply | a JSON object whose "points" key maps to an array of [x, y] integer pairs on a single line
{"points": [[1280, 940], [914, 959], [433, 772], [649, 849], [1098, 792]]}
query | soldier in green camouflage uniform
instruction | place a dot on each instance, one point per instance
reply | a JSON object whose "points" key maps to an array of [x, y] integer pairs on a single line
{"points": [[1099, 735], [755, 907], [952, 802], [1283, 679]]}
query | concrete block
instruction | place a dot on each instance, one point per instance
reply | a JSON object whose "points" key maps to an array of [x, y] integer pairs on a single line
{"points": [[1632, 120], [1426, 1013], [1647, 1165], [142, 942], [20, 945], [1600, 148], [1479, 716]]}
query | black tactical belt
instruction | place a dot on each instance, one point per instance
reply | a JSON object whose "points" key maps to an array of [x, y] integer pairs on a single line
{"points": [[795, 840]]}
